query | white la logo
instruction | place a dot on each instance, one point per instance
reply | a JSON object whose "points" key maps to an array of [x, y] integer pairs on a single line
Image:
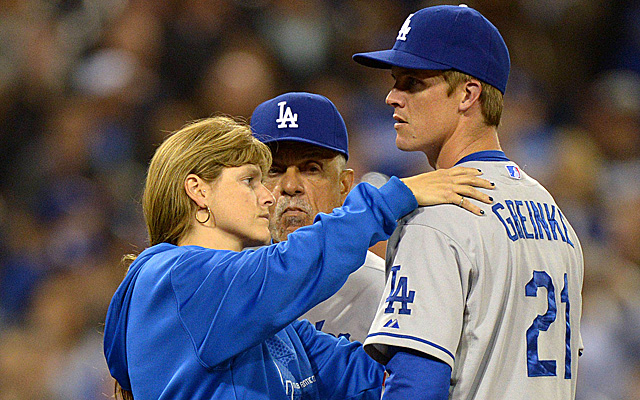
{"points": [[286, 116], [404, 31]]}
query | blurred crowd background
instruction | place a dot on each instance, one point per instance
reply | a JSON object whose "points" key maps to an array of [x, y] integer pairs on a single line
{"points": [[88, 88]]}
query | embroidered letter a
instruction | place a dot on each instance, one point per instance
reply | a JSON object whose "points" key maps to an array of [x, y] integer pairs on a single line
{"points": [[286, 116]]}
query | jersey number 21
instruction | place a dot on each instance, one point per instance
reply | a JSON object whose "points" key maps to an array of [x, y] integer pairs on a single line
{"points": [[535, 366]]}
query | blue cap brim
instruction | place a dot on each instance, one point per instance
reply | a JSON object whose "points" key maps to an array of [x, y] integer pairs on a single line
{"points": [[268, 140], [385, 59]]}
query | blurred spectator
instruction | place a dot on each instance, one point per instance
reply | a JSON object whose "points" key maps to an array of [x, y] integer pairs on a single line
{"points": [[526, 132], [299, 32], [240, 77]]}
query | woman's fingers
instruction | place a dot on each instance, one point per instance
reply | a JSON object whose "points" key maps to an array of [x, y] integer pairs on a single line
{"points": [[469, 191], [455, 186]]}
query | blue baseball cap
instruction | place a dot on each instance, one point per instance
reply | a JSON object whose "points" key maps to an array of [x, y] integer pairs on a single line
{"points": [[301, 117], [444, 38]]}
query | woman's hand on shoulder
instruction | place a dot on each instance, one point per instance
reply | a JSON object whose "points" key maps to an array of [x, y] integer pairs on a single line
{"points": [[452, 185]]}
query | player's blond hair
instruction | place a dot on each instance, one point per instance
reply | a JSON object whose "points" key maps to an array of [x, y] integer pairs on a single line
{"points": [[204, 147], [491, 99]]}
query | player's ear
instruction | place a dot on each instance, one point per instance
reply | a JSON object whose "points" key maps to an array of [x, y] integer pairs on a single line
{"points": [[346, 182], [471, 91], [197, 190]]}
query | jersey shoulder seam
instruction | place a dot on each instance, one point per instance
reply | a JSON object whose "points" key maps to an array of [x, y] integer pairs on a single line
{"points": [[457, 245]]}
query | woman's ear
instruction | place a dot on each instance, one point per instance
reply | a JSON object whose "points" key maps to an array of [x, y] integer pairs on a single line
{"points": [[197, 190]]}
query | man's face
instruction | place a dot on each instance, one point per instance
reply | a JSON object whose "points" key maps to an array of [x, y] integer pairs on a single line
{"points": [[305, 180], [424, 112]]}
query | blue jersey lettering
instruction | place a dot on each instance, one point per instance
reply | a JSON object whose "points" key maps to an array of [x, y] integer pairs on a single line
{"points": [[522, 220], [542, 218], [540, 221], [513, 236], [533, 221], [399, 293], [514, 215]]}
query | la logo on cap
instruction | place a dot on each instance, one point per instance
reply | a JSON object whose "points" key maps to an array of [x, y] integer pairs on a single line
{"points": [[287, 116], [404, 30]]}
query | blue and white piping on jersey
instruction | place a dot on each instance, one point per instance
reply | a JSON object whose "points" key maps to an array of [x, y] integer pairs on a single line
{"points": [[396, 335], [485, 155]]}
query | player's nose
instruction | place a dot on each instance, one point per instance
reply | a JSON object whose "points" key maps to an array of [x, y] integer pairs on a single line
{"points": [[394, 98]]}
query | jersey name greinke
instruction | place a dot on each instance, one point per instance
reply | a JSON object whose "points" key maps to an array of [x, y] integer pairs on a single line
{"points": [[542, 219], [286, 116]]}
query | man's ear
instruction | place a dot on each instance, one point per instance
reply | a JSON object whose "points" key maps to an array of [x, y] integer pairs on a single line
{"points": [[197, 190], [346, 182], [471, 91]]}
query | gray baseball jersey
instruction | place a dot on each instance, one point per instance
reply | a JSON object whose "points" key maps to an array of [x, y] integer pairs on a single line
{"points": [[350, 311], [497, 297]]}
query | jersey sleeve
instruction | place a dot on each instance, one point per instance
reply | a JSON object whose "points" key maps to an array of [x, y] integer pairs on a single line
{"points": [[422, 307], [343, 370], [229, 302]]}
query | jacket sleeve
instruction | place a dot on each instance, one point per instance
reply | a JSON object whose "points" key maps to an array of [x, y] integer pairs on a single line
{"points": [[229, 302], [415, 375], [343, 370]]}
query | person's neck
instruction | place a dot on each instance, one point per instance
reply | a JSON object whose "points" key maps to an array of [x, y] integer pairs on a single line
{"points": [[464, 142], [210, 238]]}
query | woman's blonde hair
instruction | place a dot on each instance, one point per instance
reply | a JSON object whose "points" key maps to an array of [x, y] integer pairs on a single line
{"points": [[491, 99], [204, 148]]}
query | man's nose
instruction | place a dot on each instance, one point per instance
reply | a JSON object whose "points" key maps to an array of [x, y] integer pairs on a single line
{"points": [[291, 182]]}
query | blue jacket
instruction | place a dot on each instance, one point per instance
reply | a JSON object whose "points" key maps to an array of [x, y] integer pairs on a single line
{"points": [[194, 323]]}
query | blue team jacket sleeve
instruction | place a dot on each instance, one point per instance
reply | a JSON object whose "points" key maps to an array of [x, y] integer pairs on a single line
{"points": [[343, 370], [229, 302], [416, 376]]}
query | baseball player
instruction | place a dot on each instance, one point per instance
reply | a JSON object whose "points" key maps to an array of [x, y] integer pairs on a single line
{"points": [[308, 140], [474, 308]]}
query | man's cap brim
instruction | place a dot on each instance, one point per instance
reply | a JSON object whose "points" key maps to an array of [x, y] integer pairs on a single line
{"points": [[385, 59], [270, 140]]}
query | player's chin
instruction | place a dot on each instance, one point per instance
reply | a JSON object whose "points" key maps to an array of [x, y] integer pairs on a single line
{"points": [[403, 144]]}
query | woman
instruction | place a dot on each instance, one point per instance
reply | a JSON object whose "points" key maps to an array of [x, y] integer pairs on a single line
{"points": [[198, 318]]}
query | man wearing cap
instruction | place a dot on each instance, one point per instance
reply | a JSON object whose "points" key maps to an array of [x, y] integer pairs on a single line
{"points": [[308, 140], [474, 308]]}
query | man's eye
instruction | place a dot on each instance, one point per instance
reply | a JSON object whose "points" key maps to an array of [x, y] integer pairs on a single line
{"points": [[274, 171], [313, 168], [409, 83], [412, 82]]}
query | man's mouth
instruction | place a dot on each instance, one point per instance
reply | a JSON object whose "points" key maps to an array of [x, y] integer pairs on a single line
{"points": [[293, 212]]}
